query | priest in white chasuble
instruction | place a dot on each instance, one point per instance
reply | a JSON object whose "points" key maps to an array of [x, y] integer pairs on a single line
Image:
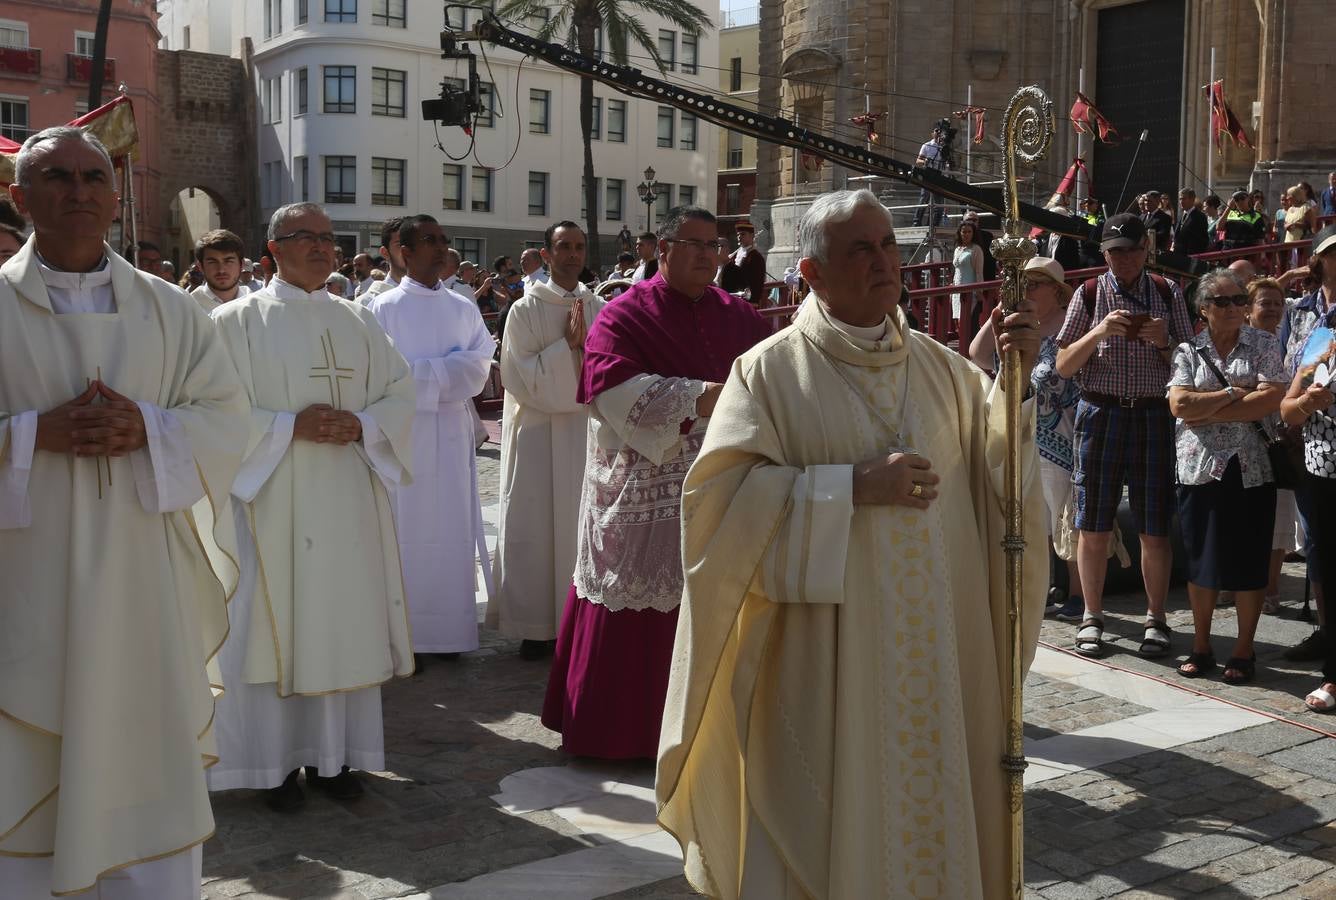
{"points": [[439, 516], [122, 424], [543, 429], [835, 718], [320, 620]]}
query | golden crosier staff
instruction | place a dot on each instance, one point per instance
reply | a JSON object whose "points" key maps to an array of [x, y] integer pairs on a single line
{"points": [[1027, 133]]}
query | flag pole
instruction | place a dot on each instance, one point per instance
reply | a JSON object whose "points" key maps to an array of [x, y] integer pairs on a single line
{"points": [[1080, 135], [1210, 128], [969, 144], [1028, 131]]}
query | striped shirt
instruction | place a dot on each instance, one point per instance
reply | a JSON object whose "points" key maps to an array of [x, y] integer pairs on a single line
{"points": [[1120, 367]]}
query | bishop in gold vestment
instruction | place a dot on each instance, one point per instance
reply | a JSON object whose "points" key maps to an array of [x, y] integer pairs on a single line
{"points": [[835, 715]]}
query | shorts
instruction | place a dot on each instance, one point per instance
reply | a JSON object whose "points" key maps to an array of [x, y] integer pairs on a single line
{"points": [[1116, 446]]}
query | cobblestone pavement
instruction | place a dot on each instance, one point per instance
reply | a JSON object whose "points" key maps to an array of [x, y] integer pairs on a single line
{"points": [[1137, 789]]}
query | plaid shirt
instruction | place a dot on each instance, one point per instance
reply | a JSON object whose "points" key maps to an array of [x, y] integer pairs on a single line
{"points": [[1119, 367]]}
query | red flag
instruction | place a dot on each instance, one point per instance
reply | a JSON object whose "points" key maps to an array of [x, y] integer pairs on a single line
{"points": [[8, 156], [1066, 188], [977, 115], [1223, 120], [1087, 119], [810, 161], [868, 121]]}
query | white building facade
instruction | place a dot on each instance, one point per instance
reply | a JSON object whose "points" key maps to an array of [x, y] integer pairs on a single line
{"points": [[340, 86]]}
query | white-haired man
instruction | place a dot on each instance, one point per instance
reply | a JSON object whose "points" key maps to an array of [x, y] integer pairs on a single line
{"points": [[845, 600], [320, 619], [119, 411]]}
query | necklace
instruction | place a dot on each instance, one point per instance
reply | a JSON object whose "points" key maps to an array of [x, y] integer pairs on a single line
{"points": [[899, 443]]}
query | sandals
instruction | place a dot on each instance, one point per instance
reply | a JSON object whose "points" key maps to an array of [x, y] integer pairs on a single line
{"points": [[1320, 701], [1201, 663], [1155, 641], [1271, 605], [1246, 668], [1090, 637]]}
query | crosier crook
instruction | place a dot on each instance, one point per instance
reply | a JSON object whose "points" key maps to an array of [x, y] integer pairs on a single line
{"points": [[1027, 133]]}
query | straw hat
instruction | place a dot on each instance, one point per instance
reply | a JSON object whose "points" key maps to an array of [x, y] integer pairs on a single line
{"points": [[1053, 271]]}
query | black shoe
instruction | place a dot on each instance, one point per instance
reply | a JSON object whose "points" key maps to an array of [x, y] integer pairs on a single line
{"points": [[1310, 648], [532, 650], [1057, 598], [1072, 611], [288, 796], [343, 786]]}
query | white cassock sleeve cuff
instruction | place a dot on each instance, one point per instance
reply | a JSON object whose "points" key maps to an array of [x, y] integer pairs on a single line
{"points": [[264, 459], [805, 560], [20, 431], [376, 449], [166, 476]]}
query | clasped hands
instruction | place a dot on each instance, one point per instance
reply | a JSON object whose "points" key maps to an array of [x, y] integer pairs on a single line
{"points": [[323, 424], [114, 427]]}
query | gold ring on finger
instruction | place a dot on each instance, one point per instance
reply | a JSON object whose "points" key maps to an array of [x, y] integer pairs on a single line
{"points": [[917, 491]]}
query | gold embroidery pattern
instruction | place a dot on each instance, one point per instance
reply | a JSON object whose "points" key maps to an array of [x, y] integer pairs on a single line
{"points": [[922, 751], [331, 372]]}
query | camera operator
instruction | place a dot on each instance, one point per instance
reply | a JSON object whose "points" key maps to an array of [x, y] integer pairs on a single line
{"points": [[935, 155]]}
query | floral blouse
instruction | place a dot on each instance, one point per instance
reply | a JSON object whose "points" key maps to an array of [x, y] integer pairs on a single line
{"points": [[1205, 451], [1055, 400]]}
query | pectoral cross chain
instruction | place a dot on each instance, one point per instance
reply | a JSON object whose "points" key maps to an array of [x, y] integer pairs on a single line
{"points": [[333, 374]]}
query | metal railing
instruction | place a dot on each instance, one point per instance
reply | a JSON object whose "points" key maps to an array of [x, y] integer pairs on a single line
{"points": [[932, 303]]}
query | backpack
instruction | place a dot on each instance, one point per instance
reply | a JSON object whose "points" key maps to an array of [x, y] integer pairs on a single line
{"points": [[1090, 286]]}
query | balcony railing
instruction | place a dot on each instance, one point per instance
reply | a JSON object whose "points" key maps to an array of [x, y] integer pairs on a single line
{"points": [[21, 61], [79, 69]]}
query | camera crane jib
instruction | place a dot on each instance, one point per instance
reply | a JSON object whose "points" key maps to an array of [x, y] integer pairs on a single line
{"points": [[458, 107]]}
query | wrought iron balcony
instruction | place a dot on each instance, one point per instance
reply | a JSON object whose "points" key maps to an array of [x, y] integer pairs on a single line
{"points": [[21, 61], [79, 69]]}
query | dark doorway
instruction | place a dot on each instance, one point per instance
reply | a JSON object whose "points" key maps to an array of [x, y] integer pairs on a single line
{"points": [[1139, 80]]}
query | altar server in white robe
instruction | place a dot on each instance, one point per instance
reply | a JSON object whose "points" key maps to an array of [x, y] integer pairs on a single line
{"points": [[320, 620], [543, 431], [835, 721], [443, 337], [119, 412], [219, 254]]}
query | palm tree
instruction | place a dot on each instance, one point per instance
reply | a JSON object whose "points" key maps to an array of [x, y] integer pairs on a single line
{"points": [[578, 23]]}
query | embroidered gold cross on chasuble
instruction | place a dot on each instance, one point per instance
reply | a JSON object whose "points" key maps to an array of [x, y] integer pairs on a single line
{"points": [[333, 374]]}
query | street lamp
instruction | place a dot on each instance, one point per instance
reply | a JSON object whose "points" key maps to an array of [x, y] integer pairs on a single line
{"points": [[649, 192]]}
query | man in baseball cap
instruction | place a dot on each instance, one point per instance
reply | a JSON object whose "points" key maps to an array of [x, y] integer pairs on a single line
{"points": [[1122, 231], [1118, 339]]}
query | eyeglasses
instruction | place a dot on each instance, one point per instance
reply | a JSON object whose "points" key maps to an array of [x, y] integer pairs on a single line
{"points": [[308, 238], [1230, 300], [698, 246]]}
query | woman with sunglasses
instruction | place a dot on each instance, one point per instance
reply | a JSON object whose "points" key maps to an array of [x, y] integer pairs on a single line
{"points": [[1224, 382]]}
